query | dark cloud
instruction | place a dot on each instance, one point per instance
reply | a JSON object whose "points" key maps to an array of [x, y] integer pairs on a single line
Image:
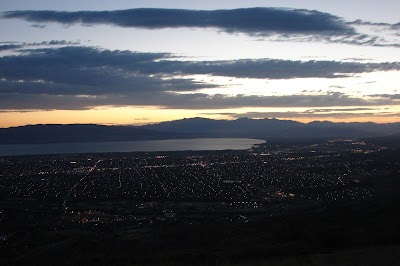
{"points": [[53, 42], [20, 111], [85, 77], [356, 59], [360, 22], [375, 24], [258, 21], [387, 96], [18, 101], [310, 114], [7, 47], [276, 69], [90, 66], [365, 39], [329, 110], [296, 24], [202, 101], [336, 87], [80, 70], [40, 26]]}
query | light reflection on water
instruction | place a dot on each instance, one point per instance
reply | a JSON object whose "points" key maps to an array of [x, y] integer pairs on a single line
{"points": [[131, 146]]}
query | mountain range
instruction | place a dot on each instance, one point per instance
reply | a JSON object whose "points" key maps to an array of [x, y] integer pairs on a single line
{"points": [[194, 128]]}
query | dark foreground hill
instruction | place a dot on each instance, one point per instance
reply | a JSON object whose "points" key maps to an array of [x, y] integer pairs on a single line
{"points": [[194, 128], [36, 229]]}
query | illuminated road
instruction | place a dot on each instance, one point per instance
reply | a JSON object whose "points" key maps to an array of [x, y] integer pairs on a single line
{"points": [[91, 169]]}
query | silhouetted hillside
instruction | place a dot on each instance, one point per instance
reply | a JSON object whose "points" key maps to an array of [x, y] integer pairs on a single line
{"points": [[76, 133], [195, 128], [273, 128]]}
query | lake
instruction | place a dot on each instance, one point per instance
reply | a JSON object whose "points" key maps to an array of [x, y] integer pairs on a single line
{"points": [[207, 144]]}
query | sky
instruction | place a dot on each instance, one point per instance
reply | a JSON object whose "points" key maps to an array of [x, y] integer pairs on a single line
{"points": [[140, 62]]}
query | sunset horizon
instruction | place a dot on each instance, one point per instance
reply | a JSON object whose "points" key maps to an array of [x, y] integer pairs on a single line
{"points": [[129, 64], [144, 122]]}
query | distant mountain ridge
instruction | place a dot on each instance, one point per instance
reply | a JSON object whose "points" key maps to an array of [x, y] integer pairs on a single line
{"points": [[193, 128], [271, 127], [55, 133]]}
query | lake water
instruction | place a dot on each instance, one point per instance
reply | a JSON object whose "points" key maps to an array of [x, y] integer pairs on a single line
{"points": [[208, 144]]}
